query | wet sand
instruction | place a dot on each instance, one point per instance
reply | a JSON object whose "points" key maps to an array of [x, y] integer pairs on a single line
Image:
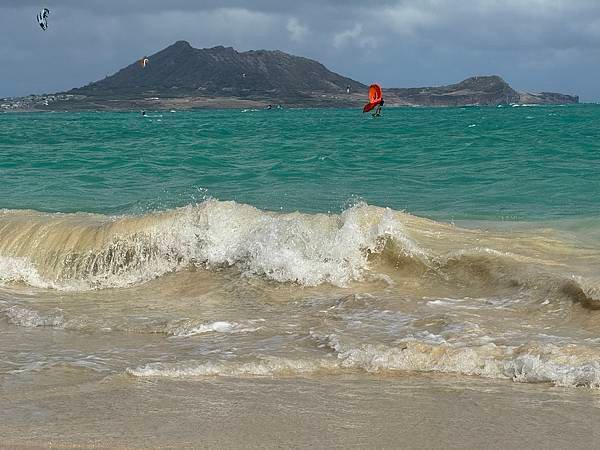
{"points": [[75, 410]]}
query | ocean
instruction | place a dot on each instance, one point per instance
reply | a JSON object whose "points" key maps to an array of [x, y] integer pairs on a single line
{"points": [[317, 257]]}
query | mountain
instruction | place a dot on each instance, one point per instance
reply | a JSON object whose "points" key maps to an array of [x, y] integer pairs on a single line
{"points": [[548, 98], [183, 77], [181, 70], [486, 90], [482, 90]]}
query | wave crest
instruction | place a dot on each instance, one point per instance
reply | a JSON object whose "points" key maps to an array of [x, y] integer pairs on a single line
{"points": [[83, 251], [266, 366], [86, 251], [526, 364]]}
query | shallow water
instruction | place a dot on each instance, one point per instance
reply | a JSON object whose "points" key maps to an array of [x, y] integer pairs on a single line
{"points": [[201, 246], [332, 412]]}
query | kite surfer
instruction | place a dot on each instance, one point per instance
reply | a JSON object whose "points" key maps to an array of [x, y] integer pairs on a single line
{"points": [[377, 112], [375, 100]]}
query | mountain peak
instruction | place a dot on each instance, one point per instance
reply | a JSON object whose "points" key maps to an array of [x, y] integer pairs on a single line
{"points": [[483, 82], [181, 70], [182, 44]]}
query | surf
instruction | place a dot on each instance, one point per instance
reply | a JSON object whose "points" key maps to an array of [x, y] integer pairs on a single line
{"points": [[363, 243]]}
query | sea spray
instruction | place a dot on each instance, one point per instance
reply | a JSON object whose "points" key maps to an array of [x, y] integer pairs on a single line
{"points": [[87, 251]]}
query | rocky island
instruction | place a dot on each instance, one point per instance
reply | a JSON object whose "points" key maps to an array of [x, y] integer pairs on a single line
{"points": [[183, 77]]}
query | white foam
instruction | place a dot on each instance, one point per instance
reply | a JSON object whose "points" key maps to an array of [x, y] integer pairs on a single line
{"points": [[527, 364], [309, 250], [20, 270], [267, 366], [24, 317], [191, 328], [563, 365], [532, 368]]}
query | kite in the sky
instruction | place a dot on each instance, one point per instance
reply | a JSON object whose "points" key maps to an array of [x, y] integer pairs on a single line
{"points": [[143, 62], [42, 18]]}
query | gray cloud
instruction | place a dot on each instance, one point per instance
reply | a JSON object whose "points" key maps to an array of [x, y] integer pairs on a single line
{"points": [[534, 44]]}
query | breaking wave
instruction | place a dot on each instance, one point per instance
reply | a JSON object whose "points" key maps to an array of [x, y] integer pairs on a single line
{"points": [[84, 251], [536, 363], [78, 252], [266, 366], [561, 366]]}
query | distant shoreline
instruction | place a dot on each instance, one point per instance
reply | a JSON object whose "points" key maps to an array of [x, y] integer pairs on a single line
{"points": [[255, 79], [41, 104]]}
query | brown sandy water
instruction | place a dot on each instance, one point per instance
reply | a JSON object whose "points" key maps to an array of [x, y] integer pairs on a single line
{"points": [[223, 325]]}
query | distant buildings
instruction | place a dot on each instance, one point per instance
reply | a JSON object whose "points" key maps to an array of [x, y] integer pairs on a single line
{"points": [[32, 102]]}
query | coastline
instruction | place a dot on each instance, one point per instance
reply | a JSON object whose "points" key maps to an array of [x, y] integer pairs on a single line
{"points": [[394, 97], [216, 104]]}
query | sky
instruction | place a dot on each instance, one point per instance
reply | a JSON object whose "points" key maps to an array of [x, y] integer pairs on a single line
{"points": [[535, 45]]}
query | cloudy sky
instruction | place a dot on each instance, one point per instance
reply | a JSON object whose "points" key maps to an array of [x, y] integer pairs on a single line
{"points": [[536, 45]]}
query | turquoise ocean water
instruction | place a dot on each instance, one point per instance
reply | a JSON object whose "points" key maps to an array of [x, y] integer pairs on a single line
{"points": [[521, 163]]}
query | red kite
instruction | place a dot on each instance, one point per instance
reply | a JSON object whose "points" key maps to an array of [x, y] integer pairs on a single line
{"points": [[375, 97]]}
